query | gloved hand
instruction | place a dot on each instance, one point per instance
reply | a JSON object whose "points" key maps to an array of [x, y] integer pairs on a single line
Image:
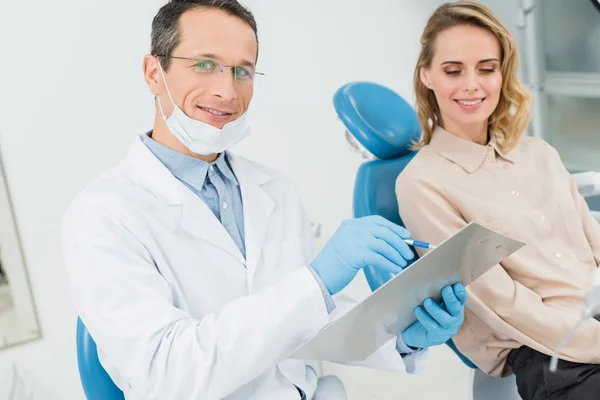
{"points": [[358, 243], [440, 322]]}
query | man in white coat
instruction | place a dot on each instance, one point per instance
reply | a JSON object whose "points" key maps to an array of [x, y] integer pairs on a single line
{"points": [[193, 268]]}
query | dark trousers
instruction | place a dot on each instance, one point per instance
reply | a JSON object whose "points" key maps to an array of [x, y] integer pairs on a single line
{"points": [[571, 381]]}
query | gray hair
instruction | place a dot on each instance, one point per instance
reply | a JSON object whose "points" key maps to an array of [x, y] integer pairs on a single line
{"points": [[165, 26]]}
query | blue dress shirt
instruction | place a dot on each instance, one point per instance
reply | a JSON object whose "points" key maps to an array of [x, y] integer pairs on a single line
{"points": [[215, 183]]}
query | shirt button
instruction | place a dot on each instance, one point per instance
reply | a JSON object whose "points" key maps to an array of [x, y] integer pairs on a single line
{"points": [[515, 193], [212, 168], [558, 255], [542, 218], [225, 205]]}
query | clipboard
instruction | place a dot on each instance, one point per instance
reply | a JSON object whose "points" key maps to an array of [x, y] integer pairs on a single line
{"points": [[388, 311]]}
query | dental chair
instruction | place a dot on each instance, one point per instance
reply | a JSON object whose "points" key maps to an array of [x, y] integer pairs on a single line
{"points": [[96, 383], [381, 125]]}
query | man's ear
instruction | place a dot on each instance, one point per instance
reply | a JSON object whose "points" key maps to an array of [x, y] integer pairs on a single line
{"points": [[152, 74]]}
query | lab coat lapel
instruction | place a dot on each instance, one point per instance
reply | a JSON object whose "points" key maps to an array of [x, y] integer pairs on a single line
{"points": [[258, 208], [196, 216], [199, 220]]}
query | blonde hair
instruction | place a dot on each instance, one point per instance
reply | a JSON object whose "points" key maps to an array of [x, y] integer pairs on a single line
{"points": [[513, 112]]}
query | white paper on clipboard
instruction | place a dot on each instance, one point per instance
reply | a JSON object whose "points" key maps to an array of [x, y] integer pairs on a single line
{"points": [[388, 311]]}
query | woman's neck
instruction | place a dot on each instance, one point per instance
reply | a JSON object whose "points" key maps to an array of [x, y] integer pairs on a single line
{"points": [[477, 133]]}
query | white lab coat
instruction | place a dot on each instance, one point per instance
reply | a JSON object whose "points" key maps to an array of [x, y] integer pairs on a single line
{"points": [[175, 310]]}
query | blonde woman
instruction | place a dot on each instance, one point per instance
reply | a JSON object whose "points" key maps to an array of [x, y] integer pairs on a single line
{"points": [[474, 164]]}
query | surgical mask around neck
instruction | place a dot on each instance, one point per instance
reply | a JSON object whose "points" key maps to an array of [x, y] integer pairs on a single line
{"points": [[200, 137]]}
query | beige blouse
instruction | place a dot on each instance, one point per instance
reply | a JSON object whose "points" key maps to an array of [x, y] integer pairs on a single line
{"points": [[537, 294]]}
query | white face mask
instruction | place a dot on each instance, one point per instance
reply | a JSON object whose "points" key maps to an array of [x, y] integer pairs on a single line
{"points": [[200, 137]]}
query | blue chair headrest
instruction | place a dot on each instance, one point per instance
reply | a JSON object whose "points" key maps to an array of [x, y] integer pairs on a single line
{"points": [[378, 118]]}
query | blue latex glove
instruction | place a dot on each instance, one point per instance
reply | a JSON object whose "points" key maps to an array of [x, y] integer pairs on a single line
{"points": [[372, 240], [436, 324]]}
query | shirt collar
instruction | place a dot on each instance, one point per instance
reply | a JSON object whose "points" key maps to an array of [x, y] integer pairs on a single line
{"points": [[190, 170], [469, 155]]}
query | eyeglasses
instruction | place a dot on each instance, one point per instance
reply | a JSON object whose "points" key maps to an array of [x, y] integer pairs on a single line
{"points": [[243, 74]]}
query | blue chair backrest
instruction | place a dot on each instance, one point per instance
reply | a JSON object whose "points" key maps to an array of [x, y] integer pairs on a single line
{"points": [[96, 383], [385, 125], [374, 194]]}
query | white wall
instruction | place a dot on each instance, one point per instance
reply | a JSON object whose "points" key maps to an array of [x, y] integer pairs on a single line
{"points": [[73, 100]]}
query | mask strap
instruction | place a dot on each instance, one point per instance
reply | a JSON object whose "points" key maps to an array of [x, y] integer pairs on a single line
{"points": [[160, 108], [168, 91]]}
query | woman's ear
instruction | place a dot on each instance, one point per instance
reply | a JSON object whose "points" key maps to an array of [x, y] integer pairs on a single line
{"points": [[425, 77]]}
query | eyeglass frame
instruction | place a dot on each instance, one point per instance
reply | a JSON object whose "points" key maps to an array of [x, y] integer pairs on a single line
{"points": [[223, 66]]}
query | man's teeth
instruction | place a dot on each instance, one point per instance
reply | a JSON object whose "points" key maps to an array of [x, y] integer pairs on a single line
{"points": [[470, 103], [214, 111]]}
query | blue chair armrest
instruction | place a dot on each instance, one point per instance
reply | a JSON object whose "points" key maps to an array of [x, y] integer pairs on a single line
{"points": [[464, 359]]}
